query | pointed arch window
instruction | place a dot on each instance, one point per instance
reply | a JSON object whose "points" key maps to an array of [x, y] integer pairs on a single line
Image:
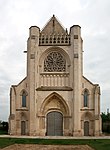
{"points": [[24, 95], [86, 98]]}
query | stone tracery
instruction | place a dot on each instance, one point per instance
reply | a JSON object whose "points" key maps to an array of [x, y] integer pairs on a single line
{"points": [[54, 62]]}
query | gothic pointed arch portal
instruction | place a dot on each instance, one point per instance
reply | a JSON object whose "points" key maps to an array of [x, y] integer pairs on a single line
{"points": [[24, 123], [87, 119], [55, 110]]}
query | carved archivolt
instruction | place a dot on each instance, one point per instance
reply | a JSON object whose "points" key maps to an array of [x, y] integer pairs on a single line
{"points": [[54, 62], [24, 116], [87, 116], [54, 59], [54, 102]]}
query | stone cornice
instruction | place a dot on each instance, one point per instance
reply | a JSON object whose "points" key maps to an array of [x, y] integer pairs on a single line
{"points": [[22, 109], [44, 88]]}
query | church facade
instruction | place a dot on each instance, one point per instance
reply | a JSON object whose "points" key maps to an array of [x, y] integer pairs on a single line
{"points": [[55, 99]]}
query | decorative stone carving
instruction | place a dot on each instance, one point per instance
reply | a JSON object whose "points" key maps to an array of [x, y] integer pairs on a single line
{"points": [[54, 39], [12, 116], [54, 62]]}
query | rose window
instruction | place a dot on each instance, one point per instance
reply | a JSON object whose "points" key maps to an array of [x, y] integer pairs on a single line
{"points": [[54, 62]]}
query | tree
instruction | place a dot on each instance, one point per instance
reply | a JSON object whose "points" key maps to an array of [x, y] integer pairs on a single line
{"points": [[105, 122], [104, 117], [4, 125]]}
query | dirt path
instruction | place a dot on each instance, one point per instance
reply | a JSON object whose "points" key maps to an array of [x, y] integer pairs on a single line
{"points": [[46, 147]]}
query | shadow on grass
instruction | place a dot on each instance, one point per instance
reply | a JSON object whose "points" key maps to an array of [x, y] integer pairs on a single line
{"points": [[97, 144]]}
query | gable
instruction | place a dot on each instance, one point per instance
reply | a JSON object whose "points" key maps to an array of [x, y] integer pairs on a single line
{"points": [[54, 34], [53, 27]]}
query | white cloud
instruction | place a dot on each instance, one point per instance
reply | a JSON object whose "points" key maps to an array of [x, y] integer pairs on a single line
{"points": [[16, 16]]}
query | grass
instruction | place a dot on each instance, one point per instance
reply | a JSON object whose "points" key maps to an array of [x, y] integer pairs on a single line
{"points": [[97, 144]]}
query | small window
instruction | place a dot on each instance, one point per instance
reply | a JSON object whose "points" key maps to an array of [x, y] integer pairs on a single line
{"points": [[85, 99], [24, 99], [42, 40], [58, 40], [46, 40], [54, 40], [66, 40], [50, 40], [62, 40]]}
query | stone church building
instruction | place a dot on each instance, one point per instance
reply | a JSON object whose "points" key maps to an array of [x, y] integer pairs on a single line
{"points": [[55, 99]]}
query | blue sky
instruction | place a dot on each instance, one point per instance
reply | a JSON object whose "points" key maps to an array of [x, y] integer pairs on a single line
{"points": [[16, 16]]}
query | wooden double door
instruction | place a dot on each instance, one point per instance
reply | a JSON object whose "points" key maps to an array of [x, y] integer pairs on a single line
{"points": [[54, 124]]}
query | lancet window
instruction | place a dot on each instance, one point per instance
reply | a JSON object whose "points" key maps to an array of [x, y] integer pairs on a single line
{"points": [[24, 95], [85, 98]]}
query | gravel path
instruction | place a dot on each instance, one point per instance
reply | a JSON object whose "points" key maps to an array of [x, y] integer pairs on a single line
{"points": [[46, 147]]}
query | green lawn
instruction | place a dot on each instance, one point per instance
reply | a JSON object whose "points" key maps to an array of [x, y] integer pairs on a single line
{"points": [[97, 144]]}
